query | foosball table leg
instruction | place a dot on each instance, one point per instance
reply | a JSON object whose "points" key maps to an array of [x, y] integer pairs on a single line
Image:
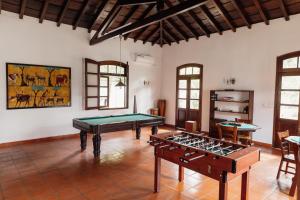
{"points": [[245, 186], [180, 173], [223, 190], [157, 174]]}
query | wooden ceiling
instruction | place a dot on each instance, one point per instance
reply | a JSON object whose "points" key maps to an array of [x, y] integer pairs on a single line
{"points": [[178, 20]]}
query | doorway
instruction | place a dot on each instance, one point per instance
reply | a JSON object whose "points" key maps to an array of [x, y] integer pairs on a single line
{"points": [[287, 98], [189, 94]]}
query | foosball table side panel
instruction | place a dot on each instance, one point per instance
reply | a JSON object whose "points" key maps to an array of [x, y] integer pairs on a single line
{"points": [[246, 158], [203, 166]]}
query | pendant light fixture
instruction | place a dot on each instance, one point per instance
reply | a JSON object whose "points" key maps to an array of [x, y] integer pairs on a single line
{"points": [[120, 83]]}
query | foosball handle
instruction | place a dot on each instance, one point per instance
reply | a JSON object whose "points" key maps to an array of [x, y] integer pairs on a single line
{"points": [[173, 147], [164, 146], [155, 143], [186, 160]]}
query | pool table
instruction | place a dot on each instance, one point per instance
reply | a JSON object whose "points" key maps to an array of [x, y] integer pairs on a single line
{"points": [[105, 124]]}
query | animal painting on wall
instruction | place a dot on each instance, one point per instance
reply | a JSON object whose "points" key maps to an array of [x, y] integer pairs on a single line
{"points": [[37, 86]]}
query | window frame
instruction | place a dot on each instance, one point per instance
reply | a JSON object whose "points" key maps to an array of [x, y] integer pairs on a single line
{"points": [[99, 74], [281, 72]]}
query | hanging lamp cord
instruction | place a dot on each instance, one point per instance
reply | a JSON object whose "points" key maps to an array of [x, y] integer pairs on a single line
{"points": [[120, 49]]}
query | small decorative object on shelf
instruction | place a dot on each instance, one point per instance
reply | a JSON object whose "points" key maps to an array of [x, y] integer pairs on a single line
{"points": [[227, 99]]}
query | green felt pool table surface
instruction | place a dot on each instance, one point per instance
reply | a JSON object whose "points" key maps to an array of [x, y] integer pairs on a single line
{"points": [[118, 119], [241, 126]]}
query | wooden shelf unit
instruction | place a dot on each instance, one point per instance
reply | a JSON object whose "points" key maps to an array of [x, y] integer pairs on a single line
{"points": [[215, 99]]}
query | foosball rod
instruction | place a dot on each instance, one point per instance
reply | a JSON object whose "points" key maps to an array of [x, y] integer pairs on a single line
{"points": [[184, 160]]}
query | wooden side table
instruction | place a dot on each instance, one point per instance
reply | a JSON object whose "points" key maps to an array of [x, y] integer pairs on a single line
{"points": [[154, 111], [191, 126], [294, 141]]}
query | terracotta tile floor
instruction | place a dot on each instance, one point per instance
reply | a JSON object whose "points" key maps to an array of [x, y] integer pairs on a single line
{"points": [[58, 170]]}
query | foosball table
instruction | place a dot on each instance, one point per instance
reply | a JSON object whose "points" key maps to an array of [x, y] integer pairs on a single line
{"points": [[217, 159]]}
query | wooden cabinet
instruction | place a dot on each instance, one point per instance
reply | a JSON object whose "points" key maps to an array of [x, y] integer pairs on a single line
{"points": [[227, 105]]}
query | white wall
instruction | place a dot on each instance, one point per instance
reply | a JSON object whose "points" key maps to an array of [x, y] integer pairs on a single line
{"points": [[249, 55], [27, 41]]}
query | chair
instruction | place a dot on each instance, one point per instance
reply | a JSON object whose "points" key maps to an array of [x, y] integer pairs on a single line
{"points": [[228, 133], [295, 148], [286, 155], [244, 137]]}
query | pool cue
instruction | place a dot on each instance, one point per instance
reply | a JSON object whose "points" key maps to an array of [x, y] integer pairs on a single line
{"points": [[134, 105]]}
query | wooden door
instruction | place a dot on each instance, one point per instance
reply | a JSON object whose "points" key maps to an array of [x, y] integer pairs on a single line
{"points": [[189, 94], [287, 98]]}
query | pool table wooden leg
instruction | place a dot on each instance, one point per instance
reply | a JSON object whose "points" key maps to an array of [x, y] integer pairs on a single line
{"points": [[138, 132], [97, 144], [83, 138], [154, 130]]}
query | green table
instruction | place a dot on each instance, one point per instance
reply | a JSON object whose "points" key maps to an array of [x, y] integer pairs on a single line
{"points": [[105, 124], [240, 126]]}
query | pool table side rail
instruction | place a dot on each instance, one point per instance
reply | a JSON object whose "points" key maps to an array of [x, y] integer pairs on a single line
{"points": [[101, 117], [117, 126]]}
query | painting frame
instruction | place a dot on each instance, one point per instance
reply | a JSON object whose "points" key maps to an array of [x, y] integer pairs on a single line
{"points": [[67, 86]]}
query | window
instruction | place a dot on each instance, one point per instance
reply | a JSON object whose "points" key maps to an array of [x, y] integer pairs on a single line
{"points": [[106, 85]]}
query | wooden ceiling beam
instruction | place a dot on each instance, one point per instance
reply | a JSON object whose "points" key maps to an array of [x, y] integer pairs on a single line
{"points": [[241, 12], [199, 22], [284, 10], [139, 34], [211, 19], [155, 41], [98, 14], [63, 12], [145, 13], [184, 21], [188, 25], [164, 14], [44, 11], [176, 27], [261, 11], [129, 15], [83, 10], [149, 35], [22, 10], [169, 37], [135, 2], [166, 40], [170, 33], [224, 14], [112, 16]]}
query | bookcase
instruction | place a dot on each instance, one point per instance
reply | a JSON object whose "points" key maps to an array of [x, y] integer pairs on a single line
{"points": [[226, 105]]}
